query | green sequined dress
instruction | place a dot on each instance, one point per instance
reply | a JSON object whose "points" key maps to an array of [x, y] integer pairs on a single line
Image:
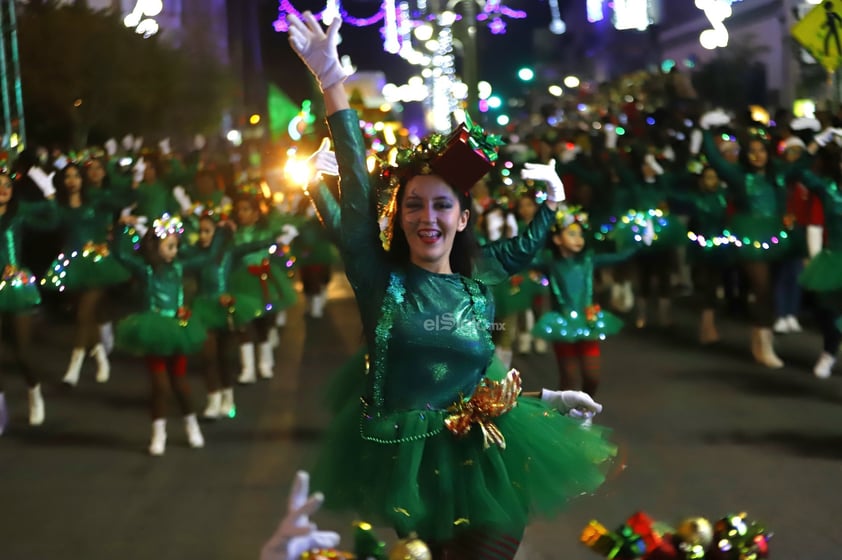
{"points": [[391, 459], [164, 327], [86, 260], [18, 286], [573, 316]]}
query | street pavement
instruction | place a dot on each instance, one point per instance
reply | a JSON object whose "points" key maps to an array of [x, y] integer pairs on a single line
{"points": [[702, 432]]}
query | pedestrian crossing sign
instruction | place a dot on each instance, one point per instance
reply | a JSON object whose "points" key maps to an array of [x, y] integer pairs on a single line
{"points": [[820, 32]]}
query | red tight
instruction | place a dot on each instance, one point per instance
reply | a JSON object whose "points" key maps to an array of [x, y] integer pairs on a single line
{"points": [[575, 360]]}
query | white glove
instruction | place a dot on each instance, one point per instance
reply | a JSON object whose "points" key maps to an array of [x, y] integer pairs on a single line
{"points": [[295, 534], [494, 224], [569, 155], [546, 173], [815, 240], [805, 123], [323, 160], [289, 232], [648, 233], [824, 137], [695, 141], [138, 170], [567, 402], [180, 196], [43, 181], [199, 141], [142, 225], [164, 146], [61, 162], [714, 118], [668, 153], [127, 142], [111, 147], [650, 160], [138, 144], [610, 137], [511, 225], [316, 48]]}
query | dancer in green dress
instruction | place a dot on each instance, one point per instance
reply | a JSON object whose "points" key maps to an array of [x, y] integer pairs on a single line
{"points": [[436, 446]]}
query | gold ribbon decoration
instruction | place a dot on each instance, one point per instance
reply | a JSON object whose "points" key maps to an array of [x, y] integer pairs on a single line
{"points": [[490, 400], [97, 249]]}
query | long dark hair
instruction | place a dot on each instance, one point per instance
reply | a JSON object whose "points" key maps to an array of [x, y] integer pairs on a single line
{"points": [[465, 249], [62, 196]]}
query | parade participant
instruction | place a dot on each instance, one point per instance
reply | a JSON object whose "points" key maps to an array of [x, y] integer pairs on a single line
{"points": [[18, 288], [399, 455], [220, 312], [164, 333], [527, 207], [256, 275], [575, 324], [823, 274], [86, 267], [758, 189]]}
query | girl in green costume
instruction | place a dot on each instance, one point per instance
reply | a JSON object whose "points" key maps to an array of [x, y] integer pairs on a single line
{"points": [[18, 287], [411, 453]]}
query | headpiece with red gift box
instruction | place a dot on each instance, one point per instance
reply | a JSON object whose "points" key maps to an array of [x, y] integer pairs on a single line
{"points": [[461, 158]]}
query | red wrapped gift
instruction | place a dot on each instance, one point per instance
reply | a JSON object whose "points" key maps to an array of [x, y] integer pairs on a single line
{"points": [[461, 163], [642, 525]]}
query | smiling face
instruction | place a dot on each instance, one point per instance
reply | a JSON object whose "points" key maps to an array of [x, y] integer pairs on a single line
{"points": [[430, 217], [5, 189]]}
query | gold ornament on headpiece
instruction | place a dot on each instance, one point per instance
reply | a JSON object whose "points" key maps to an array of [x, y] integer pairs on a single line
{"points": [[461, 158], [167, 225]]}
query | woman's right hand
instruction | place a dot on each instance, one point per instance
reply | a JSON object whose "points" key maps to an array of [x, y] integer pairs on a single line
{"points": [[316, 48]]}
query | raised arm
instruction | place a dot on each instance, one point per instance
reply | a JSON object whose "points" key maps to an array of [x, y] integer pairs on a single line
{"points": [[123, 251], [729, 172], [517, 253]]}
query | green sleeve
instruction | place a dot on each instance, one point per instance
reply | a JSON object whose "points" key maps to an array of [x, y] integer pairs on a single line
{"points": [[517, 253], [359, 243], [602, 260], [194, 260], [123, 251], [582, 173], [727, 171], [327, 209], [115, 178]]}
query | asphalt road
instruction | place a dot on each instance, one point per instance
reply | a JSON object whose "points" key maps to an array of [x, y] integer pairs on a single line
{"points": [[703, 432]]}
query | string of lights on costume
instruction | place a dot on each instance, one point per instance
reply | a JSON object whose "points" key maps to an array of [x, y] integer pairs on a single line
{"points": [[732, 537], [86, 260], [757, 228], [18, 286], [574, 316], [395, 457], [165, 327]]}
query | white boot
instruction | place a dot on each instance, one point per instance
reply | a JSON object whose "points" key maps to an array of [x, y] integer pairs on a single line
{"points": [[159, 437], [36, 406], [103, 367], [4, 414], [617, 296], [524, 343], [194, 433], [505, 355], [794, 325], [824, 365], [247, 374], [541, 346], [75, 367], [106, 335], [214, 405], [781, 326], [317, 306], [227, 409], [273, 337], [628, 297], [767, 350], [266, 363], [281, 319]]}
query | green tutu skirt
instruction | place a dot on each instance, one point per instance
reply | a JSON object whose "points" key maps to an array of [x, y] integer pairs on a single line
{"points": [[823, 273], [84, 269], [574, 326], [271, 286], [152, 334], [630, 231], [758, 238], [440, 485], [518, 293], [18, 290], [210, 313]]}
